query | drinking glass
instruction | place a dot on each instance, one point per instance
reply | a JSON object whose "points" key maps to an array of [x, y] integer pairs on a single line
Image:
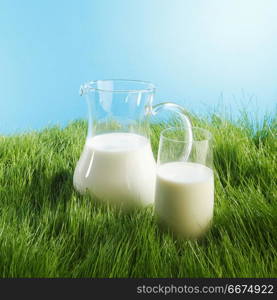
{"points": [[184, 197]]}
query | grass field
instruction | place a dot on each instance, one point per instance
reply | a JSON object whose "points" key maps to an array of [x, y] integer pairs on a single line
{"points": [[49, 230]]}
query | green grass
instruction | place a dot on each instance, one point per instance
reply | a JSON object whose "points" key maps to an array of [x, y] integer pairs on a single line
{"points": [[49, 230]]}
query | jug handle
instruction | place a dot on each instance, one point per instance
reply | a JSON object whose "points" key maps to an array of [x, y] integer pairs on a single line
{"points": [[181, 112]]}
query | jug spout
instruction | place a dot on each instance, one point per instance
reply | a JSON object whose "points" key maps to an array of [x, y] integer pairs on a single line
{"points": [[84, 88]]}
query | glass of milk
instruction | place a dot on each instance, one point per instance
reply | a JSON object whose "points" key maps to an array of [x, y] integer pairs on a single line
{"points": [[184, 197], [117, 164]]}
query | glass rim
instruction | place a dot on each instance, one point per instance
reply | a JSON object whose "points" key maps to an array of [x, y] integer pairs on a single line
{"points": [[148, 86], [208, 134]]}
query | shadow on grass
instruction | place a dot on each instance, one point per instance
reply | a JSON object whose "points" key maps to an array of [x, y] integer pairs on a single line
{"points": [[61, 187], [50, 191]]}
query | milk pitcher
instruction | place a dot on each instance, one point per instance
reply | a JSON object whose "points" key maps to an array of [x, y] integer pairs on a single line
{"points": [[117, 163]]}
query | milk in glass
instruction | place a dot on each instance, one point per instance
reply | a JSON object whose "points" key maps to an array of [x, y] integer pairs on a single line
{"points": [[185, 197]]}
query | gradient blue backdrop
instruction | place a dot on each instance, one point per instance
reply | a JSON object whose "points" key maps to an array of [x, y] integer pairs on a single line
{"points": [[197, 52]]}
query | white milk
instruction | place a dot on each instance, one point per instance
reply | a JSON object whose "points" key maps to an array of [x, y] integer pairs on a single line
{"points": [[185, 197], [118, 167]]}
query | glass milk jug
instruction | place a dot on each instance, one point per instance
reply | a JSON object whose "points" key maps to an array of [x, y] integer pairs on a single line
{"points": [[117, 163]]}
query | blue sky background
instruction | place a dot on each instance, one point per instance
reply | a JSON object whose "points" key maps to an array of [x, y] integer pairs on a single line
{"points": [[197, 52]]}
